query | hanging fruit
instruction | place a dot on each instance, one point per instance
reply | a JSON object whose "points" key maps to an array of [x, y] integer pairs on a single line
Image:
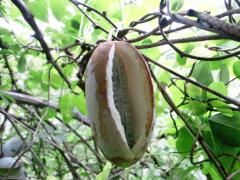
{"points": [[120, 101]]}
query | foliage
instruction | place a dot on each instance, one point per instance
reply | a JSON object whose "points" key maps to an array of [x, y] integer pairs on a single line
{"points": [[196, 75]]}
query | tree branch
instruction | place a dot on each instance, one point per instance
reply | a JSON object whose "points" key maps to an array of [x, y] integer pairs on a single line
{"points": [[37, 102], [39, 36], [226, 98]]}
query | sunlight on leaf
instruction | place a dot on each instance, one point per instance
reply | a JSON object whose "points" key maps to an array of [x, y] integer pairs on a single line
{"points": [[105, 172]]}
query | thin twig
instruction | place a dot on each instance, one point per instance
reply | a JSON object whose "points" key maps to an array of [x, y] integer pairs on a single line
{"points": [[200, 139], [39, 36], [226, 98], [180, 40], [37, 102], [182, 54]]}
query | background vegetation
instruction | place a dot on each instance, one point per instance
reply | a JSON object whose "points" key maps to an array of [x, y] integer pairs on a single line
{"points": [[194, 56]]}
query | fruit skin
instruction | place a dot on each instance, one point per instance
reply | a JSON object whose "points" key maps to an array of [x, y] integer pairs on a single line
{"points": [[105, 118]]}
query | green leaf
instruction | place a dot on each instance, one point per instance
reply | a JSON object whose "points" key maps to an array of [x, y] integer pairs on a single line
{"points": [[22, 63], [31, 84], [176, 5], [222, 107], [68, 70], [218, 147], [75, 24], [219, 87], [4, 99], [209, 169], [15, 47], [177, 95], [198, 108], [48, 113], [202, 73], [227, 129], [117, 15], [36, 75], [105, 172], [236, 69], [80, 102], [153, 53], [194, 91], [146, 41], [184, 142], [55, 80], [2, 9], [187, 48], [4, 31], [224, 74], [216, 65], [66, 107], [39, 9], [69, 102], [164, 77], [235, 168], [58, 9], [5, 51]]}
